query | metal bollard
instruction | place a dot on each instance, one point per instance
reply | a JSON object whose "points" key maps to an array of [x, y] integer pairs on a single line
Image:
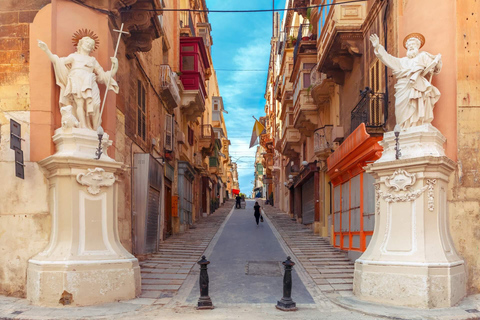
{"points": [[286, 303], [204, 302]]}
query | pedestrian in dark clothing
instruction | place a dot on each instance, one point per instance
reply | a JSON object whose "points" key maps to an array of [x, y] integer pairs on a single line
{"points": [[237, 203], [257, 214]]}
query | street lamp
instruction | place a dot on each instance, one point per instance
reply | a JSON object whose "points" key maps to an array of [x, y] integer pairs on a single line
{"points": [[396, 131]]}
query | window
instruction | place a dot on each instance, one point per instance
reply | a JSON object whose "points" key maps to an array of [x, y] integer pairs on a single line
{"points": [[141, 111], [168, 132], [190, 136], [188, 63], [374, 76], [164, 52]]}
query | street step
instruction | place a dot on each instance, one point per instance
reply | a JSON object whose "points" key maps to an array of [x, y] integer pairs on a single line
{"points": [[328, 266], [164, 272]]}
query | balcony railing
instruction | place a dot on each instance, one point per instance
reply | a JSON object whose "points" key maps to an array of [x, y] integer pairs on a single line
{"points": [[213, 162], [369, 110], [302, 32], [186, 21], [168, 81], [322, 139], [207, 131]]}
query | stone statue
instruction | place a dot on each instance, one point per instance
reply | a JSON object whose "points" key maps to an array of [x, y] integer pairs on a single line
{"points": [[415, 96], [77, 76]]}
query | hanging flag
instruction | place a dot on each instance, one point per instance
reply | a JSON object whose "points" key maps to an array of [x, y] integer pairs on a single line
{"points": [[258, 129]]}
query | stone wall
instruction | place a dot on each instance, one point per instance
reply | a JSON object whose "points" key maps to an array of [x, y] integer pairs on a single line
{"points": [[464, 205], [24, 213]]}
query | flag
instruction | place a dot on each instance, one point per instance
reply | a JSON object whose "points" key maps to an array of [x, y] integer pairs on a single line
{"points": [[258, 129]]}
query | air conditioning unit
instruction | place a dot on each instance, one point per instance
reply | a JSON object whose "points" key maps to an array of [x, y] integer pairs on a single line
{"points": [[181, 137], [337, 134]]}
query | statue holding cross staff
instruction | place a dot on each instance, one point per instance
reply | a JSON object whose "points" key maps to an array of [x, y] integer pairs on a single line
{"points": [[77, 76]]}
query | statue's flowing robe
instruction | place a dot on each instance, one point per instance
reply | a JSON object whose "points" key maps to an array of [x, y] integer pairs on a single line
{"points": [[77, 76], [414, 101]]}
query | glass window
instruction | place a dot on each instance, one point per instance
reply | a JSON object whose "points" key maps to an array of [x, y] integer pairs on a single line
{"points": [[187, 49], [188, 63]]}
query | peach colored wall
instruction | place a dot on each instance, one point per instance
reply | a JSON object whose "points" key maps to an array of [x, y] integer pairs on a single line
{"points": [[436, 20], [42, 91], [66, 18]]}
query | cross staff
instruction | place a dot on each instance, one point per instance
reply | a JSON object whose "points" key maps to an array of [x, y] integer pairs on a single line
{"points": [[110, 78]]}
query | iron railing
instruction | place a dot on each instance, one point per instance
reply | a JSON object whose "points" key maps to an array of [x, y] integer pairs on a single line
{"points": [[207, 131], [186, 21], [168, 80], [369, 110], [322, 139], [302, 32]]}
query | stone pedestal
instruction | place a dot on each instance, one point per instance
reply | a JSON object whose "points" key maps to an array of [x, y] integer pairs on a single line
{"points": [[411, 260], [84, 263]]}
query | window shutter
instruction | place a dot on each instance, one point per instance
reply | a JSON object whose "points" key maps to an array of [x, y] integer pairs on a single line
{"points": [[168, 132]]}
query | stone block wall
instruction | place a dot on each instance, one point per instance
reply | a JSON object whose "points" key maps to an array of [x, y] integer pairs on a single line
{"points": [[24, 214], [464, 198]]}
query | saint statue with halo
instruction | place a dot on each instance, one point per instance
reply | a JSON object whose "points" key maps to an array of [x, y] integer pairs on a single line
{"points": [[77, 76], [415, 96]]}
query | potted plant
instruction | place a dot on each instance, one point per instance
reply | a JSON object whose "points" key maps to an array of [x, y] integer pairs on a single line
{"points": [[293, 40]]}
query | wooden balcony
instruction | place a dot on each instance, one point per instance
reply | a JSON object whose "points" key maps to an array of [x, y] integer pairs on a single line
{"points": [[194, 66], [341, 37]]}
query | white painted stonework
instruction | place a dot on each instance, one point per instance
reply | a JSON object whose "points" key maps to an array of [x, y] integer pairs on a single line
{"points": [[84, 256], [415, 142], [411, 260]]}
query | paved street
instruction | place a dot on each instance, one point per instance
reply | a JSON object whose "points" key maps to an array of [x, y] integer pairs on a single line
{"points": [[245, 277], [246, 264]]}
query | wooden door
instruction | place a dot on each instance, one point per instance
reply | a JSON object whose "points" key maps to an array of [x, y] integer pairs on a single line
{"points": [[167, 231]]}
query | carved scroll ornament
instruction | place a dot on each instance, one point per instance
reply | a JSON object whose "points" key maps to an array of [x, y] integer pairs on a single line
{"points": [[95, 179]]}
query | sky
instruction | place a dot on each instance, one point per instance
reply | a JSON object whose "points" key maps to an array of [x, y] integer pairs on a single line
{"points": [[241, 42]]}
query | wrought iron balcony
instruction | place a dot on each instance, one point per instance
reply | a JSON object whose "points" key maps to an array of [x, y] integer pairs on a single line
{"points": [[168, 83], [304, 44], [323, 142], [369, 110], [187, 27], [207, 139]]}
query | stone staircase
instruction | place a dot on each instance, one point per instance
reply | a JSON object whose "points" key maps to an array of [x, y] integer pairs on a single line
{"points": [[328, 266], [164, 272]]}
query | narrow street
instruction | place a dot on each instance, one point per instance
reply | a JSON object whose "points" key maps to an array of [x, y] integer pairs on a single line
{"points": [[245, 276], [246, 264]]}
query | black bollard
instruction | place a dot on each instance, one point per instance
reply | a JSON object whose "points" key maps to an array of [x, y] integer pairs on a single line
{"points": [[204, 302], [287, 304]]}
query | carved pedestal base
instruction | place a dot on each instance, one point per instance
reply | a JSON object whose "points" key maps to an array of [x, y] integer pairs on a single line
{"points": [[411, 260], [84, 263]]}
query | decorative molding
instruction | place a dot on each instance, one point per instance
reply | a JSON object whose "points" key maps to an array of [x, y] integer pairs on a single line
{"points": [[431, 200], [411, 196], [96, 178], [400, 180], [377, 198]]}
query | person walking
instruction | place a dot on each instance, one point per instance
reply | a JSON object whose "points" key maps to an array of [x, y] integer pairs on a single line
{"points": [[237, 202], [257, 214]]}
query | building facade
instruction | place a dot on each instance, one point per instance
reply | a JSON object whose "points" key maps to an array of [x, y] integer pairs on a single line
{"points": [[329, 101], [162, 123]]}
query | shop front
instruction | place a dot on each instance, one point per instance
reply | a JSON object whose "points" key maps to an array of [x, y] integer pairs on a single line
{"points": [[306, 194], [353, 193]]}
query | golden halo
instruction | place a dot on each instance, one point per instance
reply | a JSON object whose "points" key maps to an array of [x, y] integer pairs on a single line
{"points": [[418, 36], [77, 36]]}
